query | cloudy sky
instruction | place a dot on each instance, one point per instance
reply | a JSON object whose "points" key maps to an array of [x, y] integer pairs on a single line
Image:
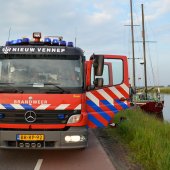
{"points": [[98, 26]]}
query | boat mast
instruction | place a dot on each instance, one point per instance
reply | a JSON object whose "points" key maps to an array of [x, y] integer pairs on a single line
{"points": [[144, 50], [133, 51]]}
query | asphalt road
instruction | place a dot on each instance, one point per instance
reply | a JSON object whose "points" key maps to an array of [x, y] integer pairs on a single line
{"points": [[92, 158]]}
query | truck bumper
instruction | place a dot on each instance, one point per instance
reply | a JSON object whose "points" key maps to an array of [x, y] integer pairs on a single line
{"points": [[53, 139]]}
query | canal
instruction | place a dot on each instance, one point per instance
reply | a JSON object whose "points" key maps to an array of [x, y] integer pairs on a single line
{"points": [[166, 110]]}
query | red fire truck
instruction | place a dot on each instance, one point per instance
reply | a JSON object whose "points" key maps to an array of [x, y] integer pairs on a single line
{"points": [[50, 95]]}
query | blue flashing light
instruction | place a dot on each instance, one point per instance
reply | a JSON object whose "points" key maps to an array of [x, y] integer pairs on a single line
{"points": [[70, 44], [14, 42], [19, 41], [2, 115], [62, 43], [61, 116], [55, 42], [8, 43], [25, 40], [47, 41]]}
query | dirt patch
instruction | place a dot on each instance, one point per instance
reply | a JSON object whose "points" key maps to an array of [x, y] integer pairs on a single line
{"points": [[117, 153]]}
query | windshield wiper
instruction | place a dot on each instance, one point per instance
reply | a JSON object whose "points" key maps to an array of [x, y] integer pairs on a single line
{"points": [[58, 87], [12, 89], [58, 90], [6, 83]]}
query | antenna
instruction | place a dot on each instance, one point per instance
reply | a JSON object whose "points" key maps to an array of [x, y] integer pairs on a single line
{"points": [[55, 36], [75, 36], [9, 33], [75, 41]]}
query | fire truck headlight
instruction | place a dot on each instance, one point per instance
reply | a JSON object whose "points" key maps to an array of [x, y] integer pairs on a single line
{"points": [[74, 118], [75, 138]]}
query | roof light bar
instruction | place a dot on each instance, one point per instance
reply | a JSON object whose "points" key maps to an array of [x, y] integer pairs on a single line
{"points": [[47, 41], [8, 43], [62, 43], [55, 42], [70, 44], [19, 41], [50, 40], [36, 36], [25, 40], [13, 42]]}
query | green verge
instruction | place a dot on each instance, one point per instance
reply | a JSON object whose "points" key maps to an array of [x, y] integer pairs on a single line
{"points": [[147, 139]]}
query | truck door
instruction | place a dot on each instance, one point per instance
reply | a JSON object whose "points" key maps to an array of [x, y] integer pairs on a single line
{"points": [[107, 88]]}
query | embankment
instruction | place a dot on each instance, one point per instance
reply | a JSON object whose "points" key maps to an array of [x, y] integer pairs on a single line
{"points": [[146, 138]]}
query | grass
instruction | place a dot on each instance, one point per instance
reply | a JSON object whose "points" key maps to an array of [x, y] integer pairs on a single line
{"points": [[147, 138], [165, 90]]}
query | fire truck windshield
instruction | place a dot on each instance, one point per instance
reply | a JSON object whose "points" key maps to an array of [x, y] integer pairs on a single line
{"points": [[64, 71]]}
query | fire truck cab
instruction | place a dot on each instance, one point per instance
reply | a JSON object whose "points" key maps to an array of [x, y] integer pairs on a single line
{"points": [[50, 94]]}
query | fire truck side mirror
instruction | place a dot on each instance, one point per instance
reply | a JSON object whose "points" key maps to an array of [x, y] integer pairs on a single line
{"points": [[98, 82], [98, 65]]}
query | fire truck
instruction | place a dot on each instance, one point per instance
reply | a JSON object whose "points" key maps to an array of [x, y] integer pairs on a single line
{"points": [[50, 95]]}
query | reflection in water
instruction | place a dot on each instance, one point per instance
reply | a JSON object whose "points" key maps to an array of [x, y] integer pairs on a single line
{"points": [[166, 110]]}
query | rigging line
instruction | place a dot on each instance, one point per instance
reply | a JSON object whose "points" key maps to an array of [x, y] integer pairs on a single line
{"points": [[129, 42], [139, 50], [157, 54], [149, 54], [124, 41], [138, 32], [153, 34], [129, 54], [150, 60]]}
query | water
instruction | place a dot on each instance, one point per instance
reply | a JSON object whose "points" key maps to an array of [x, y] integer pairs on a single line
{"points": [[166, 110]]}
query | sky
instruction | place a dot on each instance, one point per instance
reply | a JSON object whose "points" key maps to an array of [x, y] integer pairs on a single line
{"points": [[99, 27]]}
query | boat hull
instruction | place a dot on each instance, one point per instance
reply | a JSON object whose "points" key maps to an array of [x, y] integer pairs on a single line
{"points": [[151, 106]]}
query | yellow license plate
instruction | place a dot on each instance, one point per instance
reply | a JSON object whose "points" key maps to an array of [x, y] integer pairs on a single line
{"points": [[30, 137]]}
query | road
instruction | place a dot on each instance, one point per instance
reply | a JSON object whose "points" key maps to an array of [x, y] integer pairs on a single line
{"points": [[92, 158]]}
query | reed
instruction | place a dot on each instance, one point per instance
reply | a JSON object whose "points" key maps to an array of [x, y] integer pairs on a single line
{"points": [[165, 90], [147, 138]]}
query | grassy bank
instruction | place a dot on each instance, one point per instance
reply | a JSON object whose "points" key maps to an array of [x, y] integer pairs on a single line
{"points": [[165, 90], [147, 138]]}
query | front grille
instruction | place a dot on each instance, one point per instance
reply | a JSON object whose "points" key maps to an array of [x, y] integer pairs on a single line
{"points": [[42, 116], [49, 144]]}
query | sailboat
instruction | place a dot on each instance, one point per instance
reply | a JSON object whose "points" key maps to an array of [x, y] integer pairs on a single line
{"points": [[148, 102]]}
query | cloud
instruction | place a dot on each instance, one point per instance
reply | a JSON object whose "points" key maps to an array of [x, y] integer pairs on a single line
{"points": [[157, 9], [99, 18], [97, 24]]}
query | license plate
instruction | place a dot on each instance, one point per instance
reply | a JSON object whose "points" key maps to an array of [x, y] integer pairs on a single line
{"points": [[30, 137]]}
